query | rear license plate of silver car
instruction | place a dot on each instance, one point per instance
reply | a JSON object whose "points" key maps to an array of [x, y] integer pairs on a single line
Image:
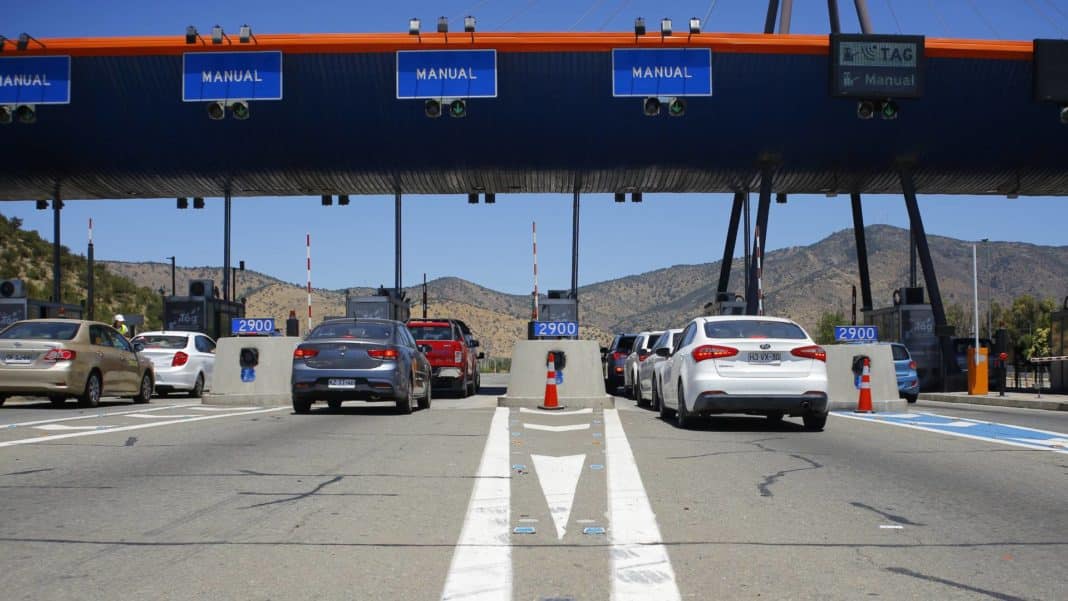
{"points": [[18, 358], [765, 356], [341, 383]]}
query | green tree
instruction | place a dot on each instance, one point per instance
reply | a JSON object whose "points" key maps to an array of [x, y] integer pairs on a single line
{"points": [[825, 326]]}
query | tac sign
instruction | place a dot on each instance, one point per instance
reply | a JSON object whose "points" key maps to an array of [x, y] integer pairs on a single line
{"points": [[248, 374], [877, 66]]}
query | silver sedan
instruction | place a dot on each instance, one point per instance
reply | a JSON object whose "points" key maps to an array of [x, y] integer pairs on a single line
{"points": [[356, 359]]}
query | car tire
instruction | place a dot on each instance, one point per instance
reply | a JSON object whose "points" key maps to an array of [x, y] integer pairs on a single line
{"points": [[654, 401], [665, 411], [404, 404], [144, 393], [683, 419], [424, 401], [301, 405], [57, 400], [911, 398], [814, 422], [198, 388], [90, 397], [471, 388], [3, 399], [478, 383], [334, 404], [638, 397]]}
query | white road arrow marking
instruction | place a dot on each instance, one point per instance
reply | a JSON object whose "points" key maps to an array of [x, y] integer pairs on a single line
{"points": [[53, 427], [559, 478], [585, 411], [556, 428]]}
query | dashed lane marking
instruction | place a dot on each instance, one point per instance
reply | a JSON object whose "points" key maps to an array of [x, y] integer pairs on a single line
{"points": [[94, 415], [11, 443], [481, 567], [568, 428]]}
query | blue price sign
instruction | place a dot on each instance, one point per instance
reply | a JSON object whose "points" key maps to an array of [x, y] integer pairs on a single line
{"points": [[231, 76], [446, 74], [856, 333], [251, 325], [35, 80], [661, 72], [554, 329]]}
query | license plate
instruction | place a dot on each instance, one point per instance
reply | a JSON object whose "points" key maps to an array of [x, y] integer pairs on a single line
{"points": [[765, 356], [18, 358], [341, 383]]}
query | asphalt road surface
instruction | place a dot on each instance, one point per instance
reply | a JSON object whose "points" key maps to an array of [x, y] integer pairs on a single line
{"points": [[175, 500]]}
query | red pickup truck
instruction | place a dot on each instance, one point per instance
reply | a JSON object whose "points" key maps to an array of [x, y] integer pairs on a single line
{"points": [[452, 356]]}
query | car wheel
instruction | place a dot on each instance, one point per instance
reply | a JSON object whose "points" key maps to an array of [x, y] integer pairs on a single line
{"points": [[198, 388], [57, 400], [683, 419], [655, 402], [3, 399], [144, 394], [775, 417], [641, 400], [814, 422], [301, 405], [665, 412], [478, 383], [471, 388], [91, 396], [334, 404], [424, 402], [404, 404], [911, 398]]}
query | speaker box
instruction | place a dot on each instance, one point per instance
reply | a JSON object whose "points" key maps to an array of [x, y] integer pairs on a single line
{"points": [[201, 287], [12, 289]]}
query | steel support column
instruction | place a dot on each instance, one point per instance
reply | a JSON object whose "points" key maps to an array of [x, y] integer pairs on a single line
{"points": [[786, 16], [862, 252], [731, 243], [862, 15], [949, 363], [746, 241], [57, 269], [90, 300], [832, 16], [752, 301], [769, 21], [397, 241], [574, 243], [912, 259], [226, 245]]}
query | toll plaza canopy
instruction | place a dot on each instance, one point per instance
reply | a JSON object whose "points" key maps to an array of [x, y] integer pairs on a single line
{"points": [[551, 125]]}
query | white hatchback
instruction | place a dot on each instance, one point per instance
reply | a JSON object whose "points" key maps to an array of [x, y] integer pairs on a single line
{"points": [[183, 361], [745, 364]]}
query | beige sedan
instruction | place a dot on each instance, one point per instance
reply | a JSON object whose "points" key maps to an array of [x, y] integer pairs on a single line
{"points": [[61, 358]]}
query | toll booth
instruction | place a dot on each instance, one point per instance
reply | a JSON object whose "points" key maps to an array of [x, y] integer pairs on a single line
{"points": [[557, 317], [1058, 347], [386, 303], [15, 309], [728, 304], [911, 322], [200, 311]]}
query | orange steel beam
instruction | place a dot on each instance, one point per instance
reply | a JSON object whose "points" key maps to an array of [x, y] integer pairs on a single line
{"points": [[340, 43]]}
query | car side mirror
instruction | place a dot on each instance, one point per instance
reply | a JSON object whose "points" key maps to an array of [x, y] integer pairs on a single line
{"points": [[663, 352], [604, 350], [482, 355]]}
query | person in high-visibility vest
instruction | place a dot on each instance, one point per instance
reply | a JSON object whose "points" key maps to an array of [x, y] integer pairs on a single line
{"points": [[120, 325]]}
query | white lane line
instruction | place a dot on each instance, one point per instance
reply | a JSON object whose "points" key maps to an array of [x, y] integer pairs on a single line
{"points": [[11, 443], [169, 416], [585, 411], [1036, 445], [93, 416], [202, 408], [66, 428], [545, 428], [558, 477], [641, 568], [481, 566]]}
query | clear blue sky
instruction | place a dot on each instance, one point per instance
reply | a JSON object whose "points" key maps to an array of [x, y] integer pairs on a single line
{"points": [[490, 245]]}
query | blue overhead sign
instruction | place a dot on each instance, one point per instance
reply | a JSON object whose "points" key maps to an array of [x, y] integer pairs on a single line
{"points": [[424, 74], [856, 333], [661, 72], [231, 76], [35, 80]]}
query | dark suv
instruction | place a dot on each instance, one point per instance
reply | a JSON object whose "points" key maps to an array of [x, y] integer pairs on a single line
{"points": [[615, 359], [452, 357]]}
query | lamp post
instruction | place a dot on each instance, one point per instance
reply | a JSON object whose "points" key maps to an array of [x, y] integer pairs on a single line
{"points": [[173, 292], [989, 291]]}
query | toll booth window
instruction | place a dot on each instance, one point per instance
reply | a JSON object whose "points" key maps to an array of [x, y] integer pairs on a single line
{"points": [[443, 332], [900, 352], [163, 342], [41, 331], [753, 329]]}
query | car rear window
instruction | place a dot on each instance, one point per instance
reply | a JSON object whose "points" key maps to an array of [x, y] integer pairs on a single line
{"points": [[625, 344], [651, 340], [366, 331], [900, 353], [753, 329], [28, 330], [431, 332], [168, 342]]}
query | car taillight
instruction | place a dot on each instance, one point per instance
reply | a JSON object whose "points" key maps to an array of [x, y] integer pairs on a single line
{"points": [[180, 359], [60, 354], [642, 355], [616, 356], [912, 365], [810, 352], [712, 351], [305, 353], [385, 354], [457, 357]]}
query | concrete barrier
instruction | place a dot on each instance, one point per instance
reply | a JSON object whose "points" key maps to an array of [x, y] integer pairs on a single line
{"points": [[583, 382], [842, 392], [271, 385]]}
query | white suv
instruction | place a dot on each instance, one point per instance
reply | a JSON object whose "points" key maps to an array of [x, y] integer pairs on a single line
{"points": [[745, 364]]}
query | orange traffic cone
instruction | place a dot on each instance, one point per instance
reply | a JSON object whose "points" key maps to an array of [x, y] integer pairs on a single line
{"points": [[550, 402], [864, 401]]}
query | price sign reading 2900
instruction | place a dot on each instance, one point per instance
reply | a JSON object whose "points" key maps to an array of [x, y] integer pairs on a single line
{"points": [[256, 325], [856, 333], [548, 329]]}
